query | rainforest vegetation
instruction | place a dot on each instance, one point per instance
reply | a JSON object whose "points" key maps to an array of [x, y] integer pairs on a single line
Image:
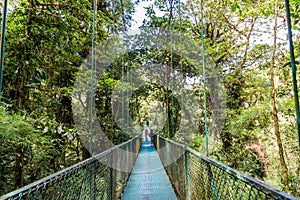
{"points": [[245, 43]]}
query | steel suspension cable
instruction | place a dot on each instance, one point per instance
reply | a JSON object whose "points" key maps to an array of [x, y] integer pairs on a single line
{"points": [[171, 108], [203, 76], [122, 78], [93, 67], [3, 31], [123, 114], [181, 57], [212, 180], [186, 171], [114, 8], [89, 171], [294, 68]]}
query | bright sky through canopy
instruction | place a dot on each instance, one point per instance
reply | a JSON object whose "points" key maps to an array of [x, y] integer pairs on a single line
{"points": [[140, 14]]}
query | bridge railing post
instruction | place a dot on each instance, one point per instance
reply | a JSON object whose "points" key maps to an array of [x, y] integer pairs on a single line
{"points": [[213, 188]]}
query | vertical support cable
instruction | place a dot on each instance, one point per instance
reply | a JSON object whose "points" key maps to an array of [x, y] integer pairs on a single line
{"points": [[122, 79], [181, 61], [171, 108], [112, 107], [92, 77], [294, 69], [92, 173], [186, 184], [114, 10], [123, 105], [129, 80], [212, 182], [204, 79], [3, 31]]}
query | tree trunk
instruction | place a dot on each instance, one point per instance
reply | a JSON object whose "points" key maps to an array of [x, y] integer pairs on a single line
{"points": [[247, 43], [274, 108]]}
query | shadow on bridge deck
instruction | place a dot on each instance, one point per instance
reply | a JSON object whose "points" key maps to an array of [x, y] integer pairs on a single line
{"points": [[148, 179]]}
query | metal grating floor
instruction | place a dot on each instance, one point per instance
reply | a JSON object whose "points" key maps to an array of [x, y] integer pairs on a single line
{"points": [[148, 180]]}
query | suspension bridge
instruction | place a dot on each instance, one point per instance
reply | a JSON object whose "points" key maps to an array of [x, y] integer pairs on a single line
{"points": [[140, 170], [137, 169]]}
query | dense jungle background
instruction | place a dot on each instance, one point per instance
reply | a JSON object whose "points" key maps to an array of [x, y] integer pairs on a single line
{"points": [[246, 40]]}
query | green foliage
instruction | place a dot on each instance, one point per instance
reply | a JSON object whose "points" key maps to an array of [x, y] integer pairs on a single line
{"points": [[48, 42], [295, 13], [20, 143]]}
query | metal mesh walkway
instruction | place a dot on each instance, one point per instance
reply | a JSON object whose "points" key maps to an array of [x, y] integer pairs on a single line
{"points": [[148, 179]]}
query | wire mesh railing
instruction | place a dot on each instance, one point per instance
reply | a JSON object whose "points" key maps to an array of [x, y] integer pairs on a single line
{"points": [[100, 177], [197, 177]]}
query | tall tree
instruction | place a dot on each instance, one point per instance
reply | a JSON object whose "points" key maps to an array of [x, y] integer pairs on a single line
{"points": [[274, 106]]}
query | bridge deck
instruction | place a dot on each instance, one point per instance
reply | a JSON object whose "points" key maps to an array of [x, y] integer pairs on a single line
{"points": [[148, 179]]}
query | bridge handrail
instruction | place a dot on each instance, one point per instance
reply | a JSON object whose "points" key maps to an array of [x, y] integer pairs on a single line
{"points": [[243, 177], [44, 182], [266, 189]]}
